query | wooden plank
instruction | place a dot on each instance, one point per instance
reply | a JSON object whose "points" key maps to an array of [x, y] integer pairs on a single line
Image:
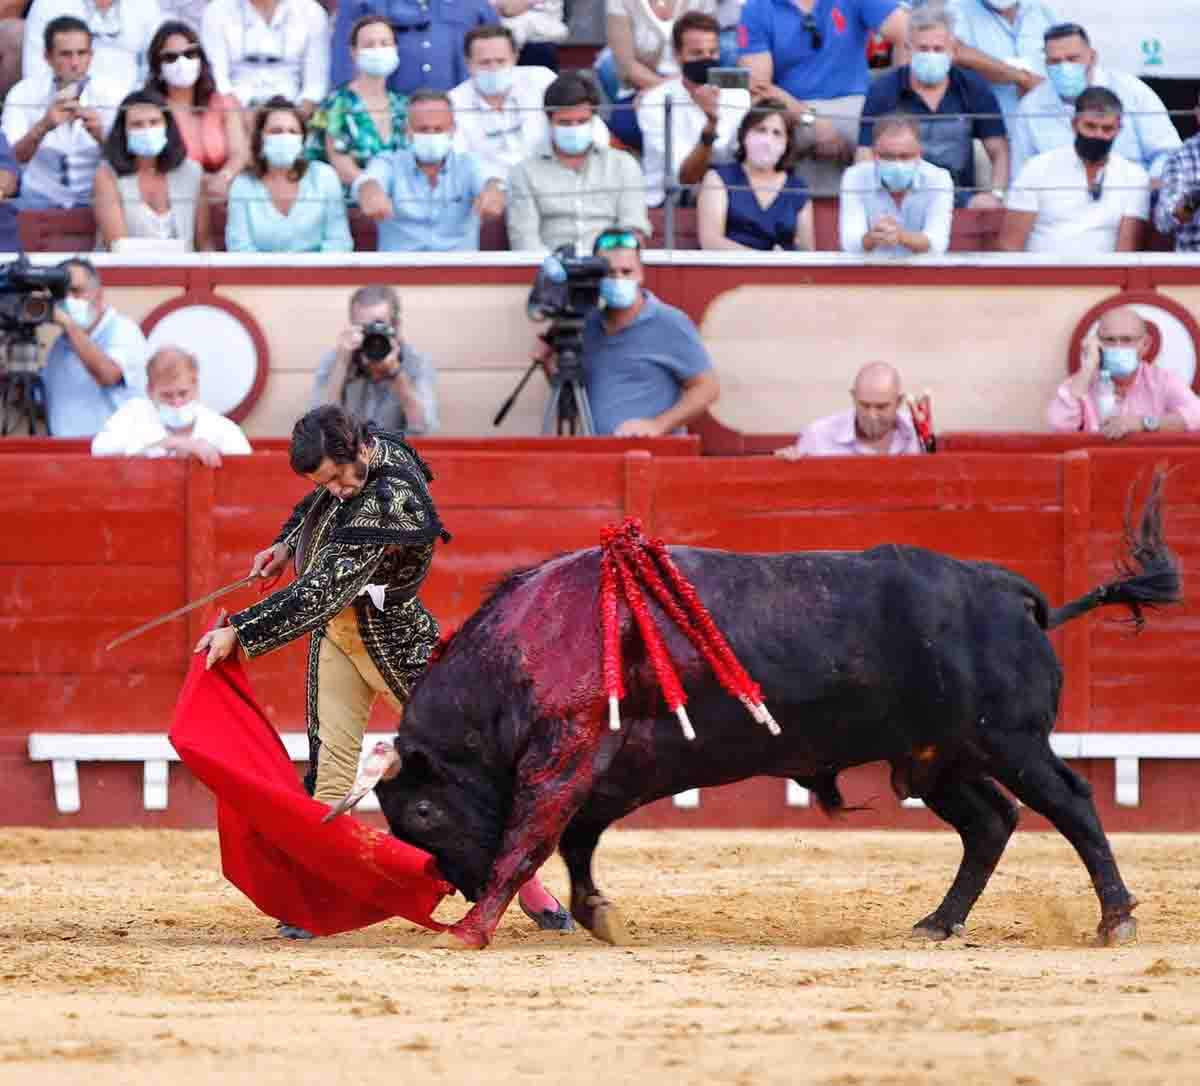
{"points": [[1075, 709], [53, 484], [96, 534], [200, 573], [131, 700]]}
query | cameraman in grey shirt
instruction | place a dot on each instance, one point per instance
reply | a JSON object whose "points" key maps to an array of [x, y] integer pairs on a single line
{"points": [[374, 373]]}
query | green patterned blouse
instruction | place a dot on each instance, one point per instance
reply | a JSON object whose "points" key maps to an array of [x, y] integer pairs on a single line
{"points": [[344, 116]]}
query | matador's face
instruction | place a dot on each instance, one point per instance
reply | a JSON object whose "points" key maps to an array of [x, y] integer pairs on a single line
{"points": [[343, 481]]}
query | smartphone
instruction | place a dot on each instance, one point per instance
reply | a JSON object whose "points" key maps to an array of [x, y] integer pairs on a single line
{"points": [[730, 78]]}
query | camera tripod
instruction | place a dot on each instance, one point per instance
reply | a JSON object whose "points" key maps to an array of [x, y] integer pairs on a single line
{"points": [[22, 390], [568, 411]]}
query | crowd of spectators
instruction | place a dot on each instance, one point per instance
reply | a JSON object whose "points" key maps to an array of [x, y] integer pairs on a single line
{"points": [[458, 115]]}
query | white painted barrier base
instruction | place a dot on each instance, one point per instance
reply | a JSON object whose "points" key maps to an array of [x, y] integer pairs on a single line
{"points": [[65, 750]]}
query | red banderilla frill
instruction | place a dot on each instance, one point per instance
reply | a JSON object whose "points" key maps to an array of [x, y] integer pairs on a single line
{"points": [[630, 561]]}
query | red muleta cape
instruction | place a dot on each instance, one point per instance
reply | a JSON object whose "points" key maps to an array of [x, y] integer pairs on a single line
{"points": [[325, 878]]}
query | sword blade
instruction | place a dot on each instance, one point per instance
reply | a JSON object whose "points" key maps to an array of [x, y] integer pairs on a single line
{"points": [[250, 578]]}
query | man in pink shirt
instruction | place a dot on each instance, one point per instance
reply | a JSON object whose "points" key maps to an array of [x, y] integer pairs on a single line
{"points": [[875, 425], [1116, 392]]}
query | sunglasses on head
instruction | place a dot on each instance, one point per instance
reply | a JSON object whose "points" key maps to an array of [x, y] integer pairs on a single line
{"points": [[815, 38], [616, 241], [169, 56]]}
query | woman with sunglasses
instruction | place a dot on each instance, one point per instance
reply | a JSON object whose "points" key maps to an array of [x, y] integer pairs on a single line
{"points": [[284, 203], [146, 186], [754, 202], [210, 123], [362, 119]]}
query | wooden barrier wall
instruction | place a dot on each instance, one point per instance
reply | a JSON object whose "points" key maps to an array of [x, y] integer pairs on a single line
{"points": [[93, 548]]}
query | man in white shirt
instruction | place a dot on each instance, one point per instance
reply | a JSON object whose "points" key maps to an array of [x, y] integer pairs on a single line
{"points": [[498, 111], [1043, 119], [897, 204], [97, 363], [702, 131], [1083, 198], [57, 121], [121, 31], [170, 420], [261, 48]]}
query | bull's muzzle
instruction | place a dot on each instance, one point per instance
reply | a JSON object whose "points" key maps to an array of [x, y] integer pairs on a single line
{"points": [[382, 764]]}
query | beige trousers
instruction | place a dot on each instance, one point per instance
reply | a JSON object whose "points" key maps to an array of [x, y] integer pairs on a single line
{"points": [[347, 684]]}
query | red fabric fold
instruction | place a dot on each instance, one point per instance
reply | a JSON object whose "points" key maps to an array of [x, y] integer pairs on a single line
{"points": [[326, 878]]}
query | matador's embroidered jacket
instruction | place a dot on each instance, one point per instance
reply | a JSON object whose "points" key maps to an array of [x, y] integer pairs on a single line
{"points": [[385, 536]]}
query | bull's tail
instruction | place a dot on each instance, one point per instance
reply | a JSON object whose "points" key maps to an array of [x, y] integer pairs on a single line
{"points": [[1150, 574]]}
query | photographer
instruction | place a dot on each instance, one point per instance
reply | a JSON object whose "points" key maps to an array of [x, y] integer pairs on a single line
{"points": [[373, 373], [1178, 210], [97, 364], [645, 368], [57, 121]]}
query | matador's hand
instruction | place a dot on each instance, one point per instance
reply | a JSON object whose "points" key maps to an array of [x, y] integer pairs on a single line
{"points": [[270, 562], [219, 643]]}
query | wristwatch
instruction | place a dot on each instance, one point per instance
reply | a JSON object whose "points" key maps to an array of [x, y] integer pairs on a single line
{"points": [[1150, 423], [808, 118], [999, 194]]}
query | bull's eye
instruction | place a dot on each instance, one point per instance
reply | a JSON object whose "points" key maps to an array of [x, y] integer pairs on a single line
{"points": [[423, 810]]}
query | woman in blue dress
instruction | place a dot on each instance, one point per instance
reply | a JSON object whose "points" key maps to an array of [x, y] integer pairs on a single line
{"points": [[754, 202]]}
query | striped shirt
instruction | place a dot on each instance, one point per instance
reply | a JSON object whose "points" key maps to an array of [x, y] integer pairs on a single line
{"points": [[1180, 178]]}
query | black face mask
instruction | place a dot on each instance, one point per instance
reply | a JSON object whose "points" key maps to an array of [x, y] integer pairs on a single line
{"points": [[1092, 148], [696, 71]]}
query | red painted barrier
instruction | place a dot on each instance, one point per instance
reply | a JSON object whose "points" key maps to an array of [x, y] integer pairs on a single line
{"points": [[95, 547]]}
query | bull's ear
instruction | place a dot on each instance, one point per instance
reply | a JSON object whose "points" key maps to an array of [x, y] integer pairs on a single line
{"points": [[416, 766]]}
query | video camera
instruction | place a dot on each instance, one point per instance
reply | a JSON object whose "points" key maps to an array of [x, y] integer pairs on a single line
{"points": [[27, 299]]}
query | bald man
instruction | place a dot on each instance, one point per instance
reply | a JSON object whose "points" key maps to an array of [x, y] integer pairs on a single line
{"points": [[170, 420], [874, 426], [1116, 391]]}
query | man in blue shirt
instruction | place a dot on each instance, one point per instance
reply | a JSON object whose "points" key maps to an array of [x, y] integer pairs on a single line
{"points": [[1001, 40], [427, 197], [1045, 115], [812, 54], [429, 37], [645, 368], [97, 364], [953, 107]]}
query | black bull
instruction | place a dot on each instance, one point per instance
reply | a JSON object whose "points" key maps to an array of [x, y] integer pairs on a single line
{"points": [[939, 667]]}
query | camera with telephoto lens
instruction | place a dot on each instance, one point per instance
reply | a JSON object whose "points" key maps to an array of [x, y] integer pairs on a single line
{"points": [[27, 299], [378, 339], [566, 290]]}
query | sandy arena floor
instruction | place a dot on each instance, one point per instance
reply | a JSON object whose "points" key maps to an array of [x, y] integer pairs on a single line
{"points": [[757, 957]]}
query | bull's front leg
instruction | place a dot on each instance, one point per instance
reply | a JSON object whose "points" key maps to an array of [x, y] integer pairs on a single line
{"points": [[552, 783]]}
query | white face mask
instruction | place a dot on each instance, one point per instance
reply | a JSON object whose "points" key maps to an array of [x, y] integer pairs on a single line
{"points": [[177, 418], [182, 72], [79, 310]]}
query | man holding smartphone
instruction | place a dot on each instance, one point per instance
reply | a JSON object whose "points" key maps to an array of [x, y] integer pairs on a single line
{"points": [[704, 122], [57, 122], [1178, 210]]}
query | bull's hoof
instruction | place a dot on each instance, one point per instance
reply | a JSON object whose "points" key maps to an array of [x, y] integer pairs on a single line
{"points": [[1117, 933], [456, 937], [608, 925], [936, 931]]}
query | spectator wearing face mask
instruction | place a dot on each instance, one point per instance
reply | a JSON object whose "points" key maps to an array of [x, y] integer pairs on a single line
{"points": [[1116, 391], [954, 107], [97, 363], [572, 188], [498, 110], [898, 204], [428, 197], [147, 188], [284, 203], [1043, 120], [754, 202], [363, 118], [170, 420], [209, 122], [1083, 197]]}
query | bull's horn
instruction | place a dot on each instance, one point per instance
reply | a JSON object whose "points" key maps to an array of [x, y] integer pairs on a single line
{"points": [[382, 764]]}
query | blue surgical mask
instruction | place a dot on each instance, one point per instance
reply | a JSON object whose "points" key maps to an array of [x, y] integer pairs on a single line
{"points": [[177, 418], [896, 176], [281, 149], [429, 147], [619, 293], [146, 142], [379, 61], [495, 80], [1120, 362], [930, 68], [572, 139], [1068, 79], [79, 310]]}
